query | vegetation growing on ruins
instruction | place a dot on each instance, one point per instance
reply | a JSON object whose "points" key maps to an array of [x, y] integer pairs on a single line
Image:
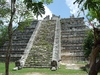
{"points": [[41, 51], [23, 24]]}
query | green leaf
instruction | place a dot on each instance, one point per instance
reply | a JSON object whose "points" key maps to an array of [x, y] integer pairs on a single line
{"points": [[38, 9], [98, 26], [37, 6], [93, 7], [23, 24], [1, 22]]}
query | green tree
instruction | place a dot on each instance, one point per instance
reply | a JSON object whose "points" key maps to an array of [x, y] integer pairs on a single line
{"points": [[4, 12], [88, 43], [3, 34], [93, 7], [36, 6]]}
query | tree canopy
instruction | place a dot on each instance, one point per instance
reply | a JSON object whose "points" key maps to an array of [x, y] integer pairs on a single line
{"points": [[37, 6], [88, 43], [93, 7], [10, 10]]}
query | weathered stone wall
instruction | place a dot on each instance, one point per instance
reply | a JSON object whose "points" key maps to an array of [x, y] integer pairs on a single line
{"points": [[72, 37], [20, 41]]}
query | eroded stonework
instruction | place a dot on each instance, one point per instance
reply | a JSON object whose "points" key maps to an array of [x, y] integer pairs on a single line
{"points": [[49, 40], [73, 34]]}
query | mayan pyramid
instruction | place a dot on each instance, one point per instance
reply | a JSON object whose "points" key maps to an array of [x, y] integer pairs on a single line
{"points": [[46, 40]]}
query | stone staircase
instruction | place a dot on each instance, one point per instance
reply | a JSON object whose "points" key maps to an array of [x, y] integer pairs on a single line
{"points": [[44, 43], [41, 51], [20, 41]]}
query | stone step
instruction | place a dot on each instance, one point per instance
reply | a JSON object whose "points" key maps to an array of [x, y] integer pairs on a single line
{"points": [[20, 40], [41, 52]]}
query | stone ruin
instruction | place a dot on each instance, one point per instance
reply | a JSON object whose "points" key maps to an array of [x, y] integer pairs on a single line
{"points": [[73, 34], [47, 42]]}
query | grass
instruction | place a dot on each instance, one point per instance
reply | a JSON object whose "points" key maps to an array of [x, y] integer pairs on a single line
{"points": [[61, 71]]}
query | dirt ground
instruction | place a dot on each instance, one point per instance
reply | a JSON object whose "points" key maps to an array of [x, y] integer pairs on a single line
{"points": [[34, 74], [31, 74], [37, 74]]}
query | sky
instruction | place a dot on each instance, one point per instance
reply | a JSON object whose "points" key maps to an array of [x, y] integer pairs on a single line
{"points": [[59, 7], [64, 8]]}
